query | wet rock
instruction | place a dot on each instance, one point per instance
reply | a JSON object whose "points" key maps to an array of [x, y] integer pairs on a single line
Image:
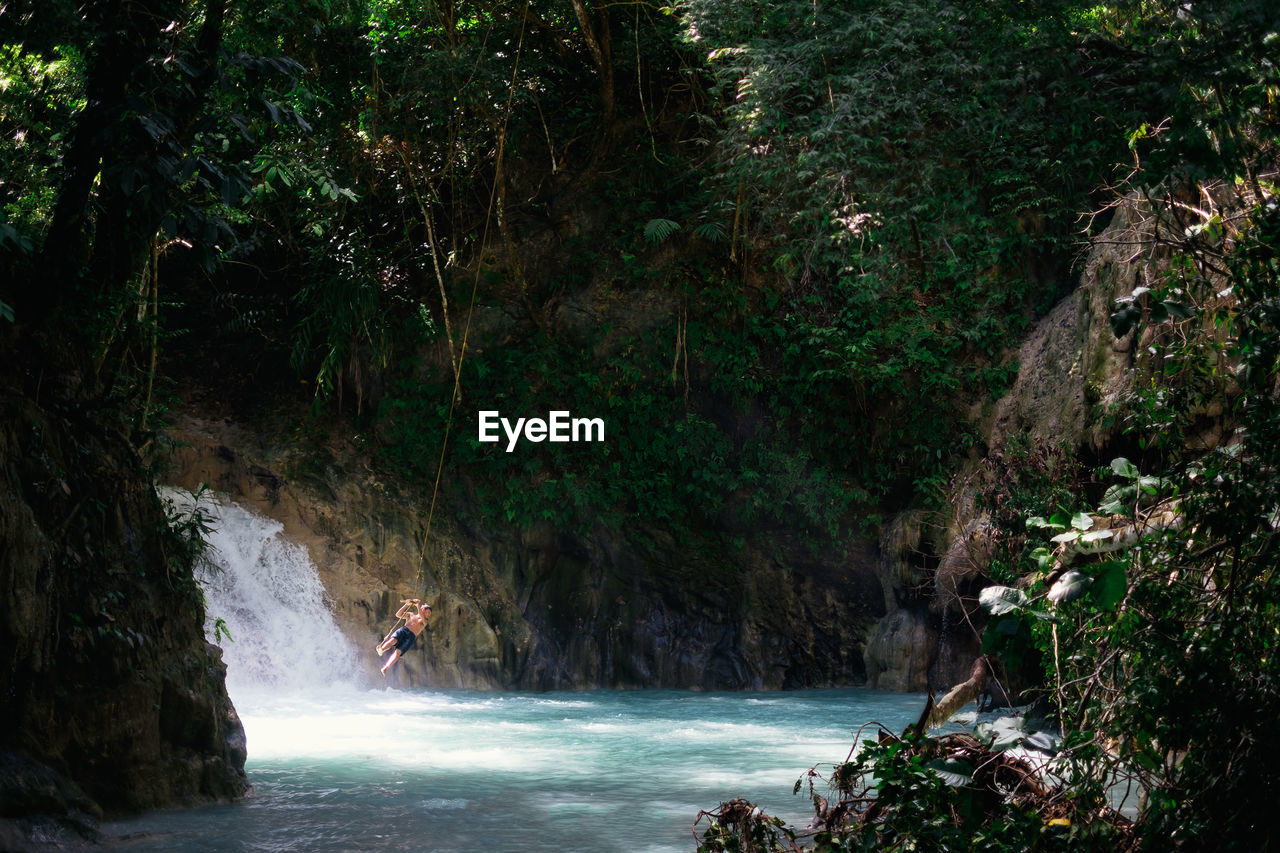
{"points": [[111, 701], [900, 651], [41, 809]]}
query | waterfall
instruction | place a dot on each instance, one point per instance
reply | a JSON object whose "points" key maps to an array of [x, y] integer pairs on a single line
{"points": [[267, 593]]}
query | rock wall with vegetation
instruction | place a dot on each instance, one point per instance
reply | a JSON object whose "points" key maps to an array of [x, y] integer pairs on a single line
{"points": [[536, 607], [1072, 368]]}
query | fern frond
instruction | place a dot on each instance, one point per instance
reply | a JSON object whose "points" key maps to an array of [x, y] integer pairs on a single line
{"points": [[658, 230]]}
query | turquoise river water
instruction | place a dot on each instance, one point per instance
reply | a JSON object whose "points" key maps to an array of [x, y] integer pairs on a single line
{"points": [[433, 771], [337, 765]]}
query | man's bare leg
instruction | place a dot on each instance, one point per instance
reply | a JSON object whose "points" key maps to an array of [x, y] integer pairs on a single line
{"points": [[395, 656]]}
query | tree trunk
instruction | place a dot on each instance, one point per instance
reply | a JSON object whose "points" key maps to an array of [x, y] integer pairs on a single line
{"points": [[87, 260], [600, 47]]}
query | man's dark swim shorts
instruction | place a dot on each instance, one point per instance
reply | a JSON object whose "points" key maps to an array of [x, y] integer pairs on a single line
{"points": [[404, 639]]}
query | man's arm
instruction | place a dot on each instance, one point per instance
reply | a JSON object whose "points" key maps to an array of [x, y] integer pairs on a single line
{"points": [[405, 608]]}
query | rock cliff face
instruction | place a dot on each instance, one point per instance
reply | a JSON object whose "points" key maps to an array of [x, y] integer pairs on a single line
{"points": [[1070, 364], [539, 608], [111, 700]]}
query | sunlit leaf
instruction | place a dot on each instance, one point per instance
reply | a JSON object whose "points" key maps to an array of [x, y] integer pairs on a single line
{"points": [[1124, 468], [1002, 734], [1069, 587], [998, 600]]}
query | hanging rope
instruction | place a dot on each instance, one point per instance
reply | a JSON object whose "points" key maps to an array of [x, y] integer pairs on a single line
{"points": [[475, 286]]}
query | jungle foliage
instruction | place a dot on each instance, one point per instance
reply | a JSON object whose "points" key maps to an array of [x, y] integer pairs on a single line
{"points": [[1145, 590], [1150, 601], [916, 173], [842, 247], [827, 224], [819, 283]]}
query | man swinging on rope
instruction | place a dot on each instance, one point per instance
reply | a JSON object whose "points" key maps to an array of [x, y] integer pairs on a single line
{"points": [[415, 615]]}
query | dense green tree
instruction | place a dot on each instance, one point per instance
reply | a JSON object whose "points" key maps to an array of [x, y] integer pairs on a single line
{"points": [[130, 138], [915, 172]]}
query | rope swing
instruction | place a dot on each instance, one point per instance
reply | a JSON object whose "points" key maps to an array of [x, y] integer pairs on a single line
{"points": [[414, 605], [475, 285]]}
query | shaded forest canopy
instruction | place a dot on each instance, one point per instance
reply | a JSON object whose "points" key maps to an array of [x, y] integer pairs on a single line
{"points": [[825, 255], [785, 249]]}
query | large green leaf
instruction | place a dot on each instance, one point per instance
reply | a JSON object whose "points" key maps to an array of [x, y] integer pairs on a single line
{"points": [[954, 771], [1109, 584], [1118, 499], [1124, 468], [1125, 318], [1153, 485], [999, 600], [1177, 310]]}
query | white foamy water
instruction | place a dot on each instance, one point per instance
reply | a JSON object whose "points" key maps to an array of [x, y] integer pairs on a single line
{"points": [[267, 592], [340, 767]]}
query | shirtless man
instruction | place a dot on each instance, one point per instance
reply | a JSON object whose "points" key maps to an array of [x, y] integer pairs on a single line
{"points": [[415, 615]]}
